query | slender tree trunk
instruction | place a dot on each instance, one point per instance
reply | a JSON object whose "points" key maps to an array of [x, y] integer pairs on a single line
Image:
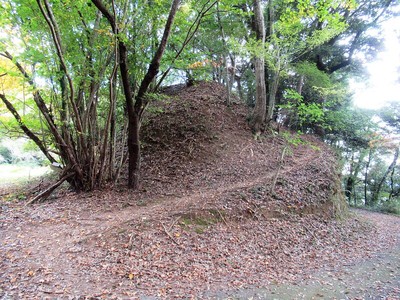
{"points": [[134, 152], [367, 201], [239, 86], [351, 180], [141, 103], [391, 167], [300, 84], [228, 81], [349, 187], [273, 89], [259, 112], [189, 36], [271, 75], [392, 184]]}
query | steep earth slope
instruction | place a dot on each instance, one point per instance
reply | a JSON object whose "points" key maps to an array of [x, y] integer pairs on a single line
{"points": [[195, 142]]}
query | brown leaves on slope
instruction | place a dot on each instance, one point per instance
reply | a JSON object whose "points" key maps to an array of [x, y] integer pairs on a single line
{"points": [[237, 255], [205, 219]]}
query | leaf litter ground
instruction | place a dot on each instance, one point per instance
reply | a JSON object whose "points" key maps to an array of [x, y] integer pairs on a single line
{"points": [[205, 224]]}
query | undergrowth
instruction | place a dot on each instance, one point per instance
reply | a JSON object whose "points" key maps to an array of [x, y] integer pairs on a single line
{"points": [[391, 207]]}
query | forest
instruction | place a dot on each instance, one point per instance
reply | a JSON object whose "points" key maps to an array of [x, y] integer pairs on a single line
{"points": [[204, 149], [78, 76]]}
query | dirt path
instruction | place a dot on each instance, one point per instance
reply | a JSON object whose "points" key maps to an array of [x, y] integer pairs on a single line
{"points": [[121, 246], [375, 277], [43, 247], [59, 258]]}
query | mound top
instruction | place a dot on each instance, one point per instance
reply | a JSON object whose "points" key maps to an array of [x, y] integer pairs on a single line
{"points": [[188, 122]]}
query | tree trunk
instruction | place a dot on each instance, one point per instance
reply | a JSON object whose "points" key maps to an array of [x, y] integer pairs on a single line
{"points": [[134, 152], [228, 81], [367, 201], [391, 167], [272, 76], [136, 108], [238, 80], [141, 103], [351, 180], [261, 102], [272, 95], [349, 187], [392, 190], [190, 35]]}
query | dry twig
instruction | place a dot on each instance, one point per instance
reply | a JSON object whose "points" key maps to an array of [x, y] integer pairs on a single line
{"points": [[169, 234]]}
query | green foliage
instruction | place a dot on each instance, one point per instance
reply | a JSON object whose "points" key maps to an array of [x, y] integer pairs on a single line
{"points": [[314, 78], [390, 114], [354, 127], [312, 113], [293, 139], [390, 206], [5, 155]]}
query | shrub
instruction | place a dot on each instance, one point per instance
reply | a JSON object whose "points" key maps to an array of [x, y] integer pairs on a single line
{"points": [[392, 206], [5, 155]]}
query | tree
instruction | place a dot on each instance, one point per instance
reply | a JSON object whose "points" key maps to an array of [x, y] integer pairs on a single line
{"points": [[75, 58], [290, 37], [135, 108], [259, 112], [379, 185], [336, 54]]}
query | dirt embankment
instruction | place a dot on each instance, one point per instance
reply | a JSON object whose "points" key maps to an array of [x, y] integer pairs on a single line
{"points": [[218, 212], [193, 141]]}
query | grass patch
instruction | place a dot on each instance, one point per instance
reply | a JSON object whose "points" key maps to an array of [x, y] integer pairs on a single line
{"points": [[20, 174], [18, 181], [200, 221]]}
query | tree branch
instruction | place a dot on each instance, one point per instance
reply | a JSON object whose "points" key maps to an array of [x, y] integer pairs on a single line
{"points": [[189, 36], [46, 193], [25, 129], [40, 103], [49, 17], [155, 63]]}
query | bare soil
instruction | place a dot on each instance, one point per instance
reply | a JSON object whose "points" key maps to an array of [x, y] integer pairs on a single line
{"points": [[208, 222], [166, 249], [374, 276]]}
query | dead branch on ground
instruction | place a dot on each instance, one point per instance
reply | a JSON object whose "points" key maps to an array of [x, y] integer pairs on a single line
{"points": [[46, 193], [168, 233]]}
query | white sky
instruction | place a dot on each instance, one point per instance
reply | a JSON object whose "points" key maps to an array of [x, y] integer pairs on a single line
{"points": [[383, 85]]}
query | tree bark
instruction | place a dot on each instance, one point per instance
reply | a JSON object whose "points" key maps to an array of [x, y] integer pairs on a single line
{"points": [[367, 201], [259, 112]]}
